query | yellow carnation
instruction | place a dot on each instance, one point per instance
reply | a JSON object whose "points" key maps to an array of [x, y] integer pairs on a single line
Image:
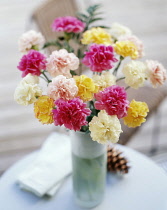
{"points": [[86, 87], [96, 35], [105, 128], [43, 109], [137, 112], [135, 74], [104, 80], [126, 48]]}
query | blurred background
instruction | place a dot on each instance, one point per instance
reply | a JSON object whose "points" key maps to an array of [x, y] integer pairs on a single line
{"points": [[20, 132]]}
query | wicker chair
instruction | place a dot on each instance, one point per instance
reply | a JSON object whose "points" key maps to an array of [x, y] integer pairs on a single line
{"points": [[48, 11], [153, 97], [43, 17]]}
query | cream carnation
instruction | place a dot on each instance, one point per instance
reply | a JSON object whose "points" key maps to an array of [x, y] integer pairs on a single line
{"points": [[118, 30], [136, 41], [63, 88], [30, 40], [156, 73], [104, 80], [135, 74], [31, 79], [61, 62], [105, 128], [27, 93]]}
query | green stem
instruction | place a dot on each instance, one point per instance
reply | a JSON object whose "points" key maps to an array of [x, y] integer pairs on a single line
{"points": [[121, 78], [68, 47], [116, 69], [80, 68], [48, 80], [43, 78], [127, 87]]}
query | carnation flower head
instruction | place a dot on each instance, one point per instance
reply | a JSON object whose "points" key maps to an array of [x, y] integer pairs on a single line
{"points": [[32, 63], [105, 128], [31, 40], [63, 88], [31, 79], [72, 114], [86, 87], [68, 24], [156, 73], [135, 73], [60, 62], [26, 93], [43, 109], [118, 30], [99, 57], [136, 41], [137, 112], [113, 100], [126, 48], [104, 80], [96, 35]]}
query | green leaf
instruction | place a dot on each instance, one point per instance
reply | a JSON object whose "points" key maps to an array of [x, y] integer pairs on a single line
{"points": [[53, 43], [82, 15], [93, 8], [73, 73], [61, 38], [77, 36], [79, 54], [98, 13], [95, 19], [84, 128], [88, 131], [102, 27]]}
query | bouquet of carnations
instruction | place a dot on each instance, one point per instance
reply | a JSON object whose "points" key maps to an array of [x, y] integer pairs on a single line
{"points": [[79, 102]]}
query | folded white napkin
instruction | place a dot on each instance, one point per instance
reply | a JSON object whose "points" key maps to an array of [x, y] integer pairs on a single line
{"points": [[51, 167]]}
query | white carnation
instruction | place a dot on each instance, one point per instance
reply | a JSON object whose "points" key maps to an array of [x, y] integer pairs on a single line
{"points": [[29, 40], [118, 30], [105, 128], [27, 93], [135, 74], [31, 79], [104, 80]]}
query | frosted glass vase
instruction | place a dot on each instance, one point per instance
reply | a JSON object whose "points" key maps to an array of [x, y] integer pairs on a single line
{"points": [[89, 170]]}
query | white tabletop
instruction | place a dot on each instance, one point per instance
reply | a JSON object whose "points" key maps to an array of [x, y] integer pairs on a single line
{"points": [[144, 188]]}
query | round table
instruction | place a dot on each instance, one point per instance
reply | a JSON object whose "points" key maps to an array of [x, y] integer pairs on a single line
{"points": [[143, 188]]}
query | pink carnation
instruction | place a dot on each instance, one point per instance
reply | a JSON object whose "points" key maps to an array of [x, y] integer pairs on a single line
{"points": [[61, 62], [99, 57], [71, 113], [63, 88], [156, 73], [136, 41], [32, 63], [113, 100], [68, 24]]}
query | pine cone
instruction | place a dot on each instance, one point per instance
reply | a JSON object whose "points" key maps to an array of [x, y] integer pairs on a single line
{"points": [[116, 162]]}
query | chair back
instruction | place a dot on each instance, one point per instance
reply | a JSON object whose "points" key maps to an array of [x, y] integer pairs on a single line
{"points": [[47, 12]]}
